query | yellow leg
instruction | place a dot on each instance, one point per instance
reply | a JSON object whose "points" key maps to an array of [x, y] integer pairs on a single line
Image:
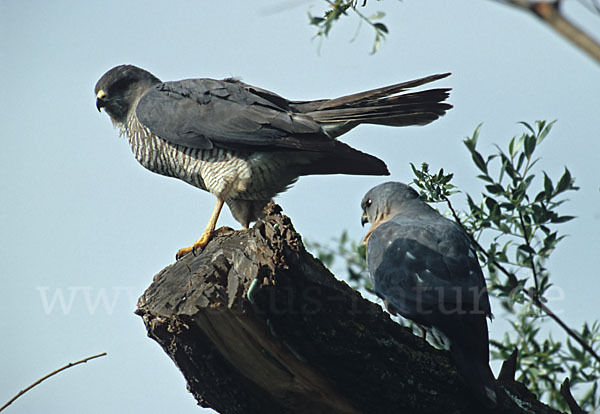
{"points": [[206, 235]]}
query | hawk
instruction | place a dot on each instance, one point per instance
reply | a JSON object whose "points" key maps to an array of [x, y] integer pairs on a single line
{"points": [[424, 266], [245, 144]]}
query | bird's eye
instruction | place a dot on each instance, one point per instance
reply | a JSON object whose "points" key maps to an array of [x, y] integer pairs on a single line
{"points": [[368, 203]]}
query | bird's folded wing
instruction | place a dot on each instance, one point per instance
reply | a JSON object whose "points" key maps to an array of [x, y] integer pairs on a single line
{"points": [[413, 269], [207, 113]]}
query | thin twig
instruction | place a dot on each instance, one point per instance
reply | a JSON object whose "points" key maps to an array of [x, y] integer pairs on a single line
{"points": [[531, 262], [69, 365], [363, 17], [533, 297]]}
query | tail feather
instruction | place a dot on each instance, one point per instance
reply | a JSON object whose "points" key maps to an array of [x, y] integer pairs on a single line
{"points": [[382, 106], [343, 159], [469, 346], [388, 114], [379, 92], [477, 374]]}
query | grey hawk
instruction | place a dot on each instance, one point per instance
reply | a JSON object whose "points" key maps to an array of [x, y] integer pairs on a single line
{"points": [[245, 144], [424, 266]]}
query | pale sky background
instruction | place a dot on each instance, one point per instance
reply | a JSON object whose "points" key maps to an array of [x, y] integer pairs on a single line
{"points": [[80, 217]]}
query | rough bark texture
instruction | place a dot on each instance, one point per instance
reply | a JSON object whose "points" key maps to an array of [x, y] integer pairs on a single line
{"points": [[257, 325]]}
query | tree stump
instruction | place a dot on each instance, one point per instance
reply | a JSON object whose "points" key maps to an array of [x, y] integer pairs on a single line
{"points": [[256, 324]]}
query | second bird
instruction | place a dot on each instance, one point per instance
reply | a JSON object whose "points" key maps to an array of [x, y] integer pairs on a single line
{"points": [[424, 266], [245, 144]]}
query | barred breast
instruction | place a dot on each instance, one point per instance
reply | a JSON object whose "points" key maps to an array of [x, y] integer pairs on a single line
{"points": [[227, 174]]}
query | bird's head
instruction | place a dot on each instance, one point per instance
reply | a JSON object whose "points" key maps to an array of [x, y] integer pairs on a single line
{"points": [[384, 201], [119, 88]]}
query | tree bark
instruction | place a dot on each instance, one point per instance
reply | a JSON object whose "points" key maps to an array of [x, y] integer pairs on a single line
{"points": [[258, 325]]}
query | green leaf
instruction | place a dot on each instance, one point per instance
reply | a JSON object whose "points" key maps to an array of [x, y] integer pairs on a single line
{"points": [[519, 164], [562, 219], [548, 188], [518, 144], [532, 163], [492, 205], [377, 16], [495, 188], [544, 130], [314, 20], [527, 249], [540, 215], [378, 38], [343, 237], [529, 146], [526, 125], [485, 178], [479, 162], [518, 194], [471, 143], [540, 196], [564, 183], [511, 147], [380, 27], [527, 181]]}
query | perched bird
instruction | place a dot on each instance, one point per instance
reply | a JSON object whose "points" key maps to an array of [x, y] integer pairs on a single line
{"points": [[244, 144], [424, 266]]}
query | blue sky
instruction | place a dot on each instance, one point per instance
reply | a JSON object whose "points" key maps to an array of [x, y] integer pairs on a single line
{"points": [[80, 218]]}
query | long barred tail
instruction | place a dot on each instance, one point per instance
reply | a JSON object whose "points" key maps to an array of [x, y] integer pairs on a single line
{"points": [[384, 106]]}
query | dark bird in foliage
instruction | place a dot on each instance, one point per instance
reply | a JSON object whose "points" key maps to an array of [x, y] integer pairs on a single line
{"points": [[244, 144], [424, 266]]}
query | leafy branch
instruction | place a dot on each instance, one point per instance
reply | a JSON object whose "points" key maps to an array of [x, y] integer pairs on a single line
{"points": [[522, 241], [548, 12], [339, 8]]}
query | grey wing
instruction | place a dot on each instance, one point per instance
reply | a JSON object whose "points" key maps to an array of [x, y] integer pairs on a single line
{"points": [[421, 266], [203, 113], [460, 256]]}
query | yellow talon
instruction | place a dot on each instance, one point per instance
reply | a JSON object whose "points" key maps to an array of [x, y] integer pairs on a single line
{"points": [[198, 245]]}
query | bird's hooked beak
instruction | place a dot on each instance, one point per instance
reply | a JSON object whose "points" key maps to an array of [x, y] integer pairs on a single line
{"points": [[364, 219], [100, 102]]}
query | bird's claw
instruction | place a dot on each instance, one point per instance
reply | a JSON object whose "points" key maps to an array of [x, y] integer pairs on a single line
{"points": [[181, 252], [195, 248]]}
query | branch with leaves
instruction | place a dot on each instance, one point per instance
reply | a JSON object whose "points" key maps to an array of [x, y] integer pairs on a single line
{"points": [[521, 221], [339, 8], [548, 12]]}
